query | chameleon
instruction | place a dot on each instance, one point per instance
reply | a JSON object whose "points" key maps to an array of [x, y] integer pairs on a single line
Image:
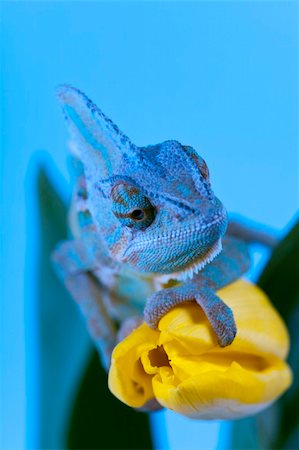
{"points": [[147, 231]]}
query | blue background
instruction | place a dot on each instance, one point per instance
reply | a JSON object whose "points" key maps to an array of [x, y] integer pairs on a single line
{"points": [[220, 76]]}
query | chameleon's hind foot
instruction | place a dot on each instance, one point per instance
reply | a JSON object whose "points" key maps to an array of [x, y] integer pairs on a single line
{"points": [[127, 326], [150, 406], [218, 313]]}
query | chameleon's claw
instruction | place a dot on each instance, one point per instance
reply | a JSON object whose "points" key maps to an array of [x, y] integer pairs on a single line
{"points": [[227, 337], [220, 316]]}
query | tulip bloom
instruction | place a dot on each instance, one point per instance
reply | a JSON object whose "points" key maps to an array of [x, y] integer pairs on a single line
{"points": [[183, 367]]}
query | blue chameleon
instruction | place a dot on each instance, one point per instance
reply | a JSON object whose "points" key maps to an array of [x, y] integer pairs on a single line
{"points": [[147, 231]]}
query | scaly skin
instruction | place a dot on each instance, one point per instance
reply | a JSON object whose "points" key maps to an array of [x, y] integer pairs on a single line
{"points": [[141, 216]]}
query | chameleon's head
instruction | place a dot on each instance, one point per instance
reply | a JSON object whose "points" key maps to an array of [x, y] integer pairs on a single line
{"points": [[153, 205]]}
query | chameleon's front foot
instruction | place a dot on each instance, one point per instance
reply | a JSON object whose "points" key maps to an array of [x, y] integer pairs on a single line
{"points": [[218, 313], [150, 406], [127, 327]]}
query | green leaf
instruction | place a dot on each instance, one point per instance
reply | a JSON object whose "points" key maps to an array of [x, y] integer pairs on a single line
{"points": [[100, 421], [245, 435], [280, 278], [280, 281], [278, 426], [62, 340]]}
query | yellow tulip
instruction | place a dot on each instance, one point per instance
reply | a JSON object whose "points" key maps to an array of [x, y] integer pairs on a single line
{"points": [[183, 367]]}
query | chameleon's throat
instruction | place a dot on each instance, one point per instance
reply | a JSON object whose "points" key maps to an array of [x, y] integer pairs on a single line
{"points": [[194, 267]]}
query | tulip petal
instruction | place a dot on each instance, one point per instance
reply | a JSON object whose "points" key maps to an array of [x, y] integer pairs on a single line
{"points": [[234, 393], [127, 378]]}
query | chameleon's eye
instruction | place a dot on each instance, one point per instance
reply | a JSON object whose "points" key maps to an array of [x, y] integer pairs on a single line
{"points": [[199, 161], [131, 207], [204, 169], [137, 214]]}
